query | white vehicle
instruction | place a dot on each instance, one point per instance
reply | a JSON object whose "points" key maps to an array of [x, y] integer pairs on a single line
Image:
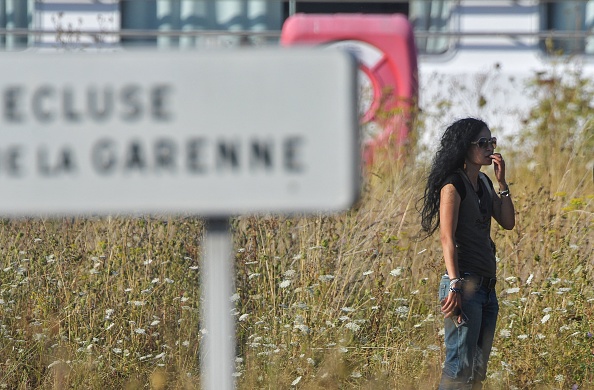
{"points": [[475, 57]]}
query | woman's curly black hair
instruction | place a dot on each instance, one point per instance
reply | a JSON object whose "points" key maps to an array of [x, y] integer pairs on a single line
{"points": [[450, 156]]}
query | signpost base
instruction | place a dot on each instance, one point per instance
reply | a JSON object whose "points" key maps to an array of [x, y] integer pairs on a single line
{"points": [[218, 346]]}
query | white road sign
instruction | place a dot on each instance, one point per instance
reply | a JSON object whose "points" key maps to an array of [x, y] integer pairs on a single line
{"points": [[207, 133]]}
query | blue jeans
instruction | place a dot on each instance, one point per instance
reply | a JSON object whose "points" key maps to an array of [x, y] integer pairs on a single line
{"points": [[468, 347]]}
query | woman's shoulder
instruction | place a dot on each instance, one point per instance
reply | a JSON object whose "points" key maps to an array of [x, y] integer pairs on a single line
{"points": [[458, 182]]}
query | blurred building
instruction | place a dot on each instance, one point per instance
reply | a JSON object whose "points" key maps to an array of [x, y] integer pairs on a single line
{"points": [[174, 23]]}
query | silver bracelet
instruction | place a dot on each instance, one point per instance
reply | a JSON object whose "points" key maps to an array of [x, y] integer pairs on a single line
{"points": [[504, 193], [454, 281]]}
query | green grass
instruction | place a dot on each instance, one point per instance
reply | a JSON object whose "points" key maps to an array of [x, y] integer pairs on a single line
{"points": [[322, 302]]}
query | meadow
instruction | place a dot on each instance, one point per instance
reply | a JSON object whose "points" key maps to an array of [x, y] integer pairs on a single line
{"points": [[345, 301]]}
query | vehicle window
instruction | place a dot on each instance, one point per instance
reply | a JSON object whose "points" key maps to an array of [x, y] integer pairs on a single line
{"points": [[333, 7], [430, 17], [220, 15], [569, 21], [15, 15]]}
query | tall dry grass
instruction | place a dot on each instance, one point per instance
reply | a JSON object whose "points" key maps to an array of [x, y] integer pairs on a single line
{"points": [[322, 302]]}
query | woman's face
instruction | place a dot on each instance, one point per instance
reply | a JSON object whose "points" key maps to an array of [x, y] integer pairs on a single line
{"points": [[481, 155]]}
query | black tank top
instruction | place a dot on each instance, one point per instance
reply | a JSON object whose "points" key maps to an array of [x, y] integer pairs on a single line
{"points": [[473, 232]]}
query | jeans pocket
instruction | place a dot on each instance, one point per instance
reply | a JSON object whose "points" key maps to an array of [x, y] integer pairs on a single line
{"points": [[444, 288]]}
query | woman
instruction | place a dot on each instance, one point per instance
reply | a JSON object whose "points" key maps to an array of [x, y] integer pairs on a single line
{"points": [[460, 200]]}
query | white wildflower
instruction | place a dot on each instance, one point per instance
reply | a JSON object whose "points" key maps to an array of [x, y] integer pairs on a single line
{"points": [[356, 374], [369, 272], [547, 309], [243, 317], [155, 281], [254, 275], [303, 328], [170, 281], [545, 318], [108, 313], [296, 381], [186, 343], [512, 290], [326, 278], [155, 323], [541, 336], [402, 310], [147, 262], [352, 326], [347, 309], [159, 356], [234, 298], [290, 273], [504, 333], [343, 318], [523, 337], [139, 331], [511, 279], [529, 280], [559, 378], [396, 271], [117, 350], [284, 284]]}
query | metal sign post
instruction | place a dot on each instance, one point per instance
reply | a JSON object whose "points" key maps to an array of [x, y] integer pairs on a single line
{"points": [[218, 346]]}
